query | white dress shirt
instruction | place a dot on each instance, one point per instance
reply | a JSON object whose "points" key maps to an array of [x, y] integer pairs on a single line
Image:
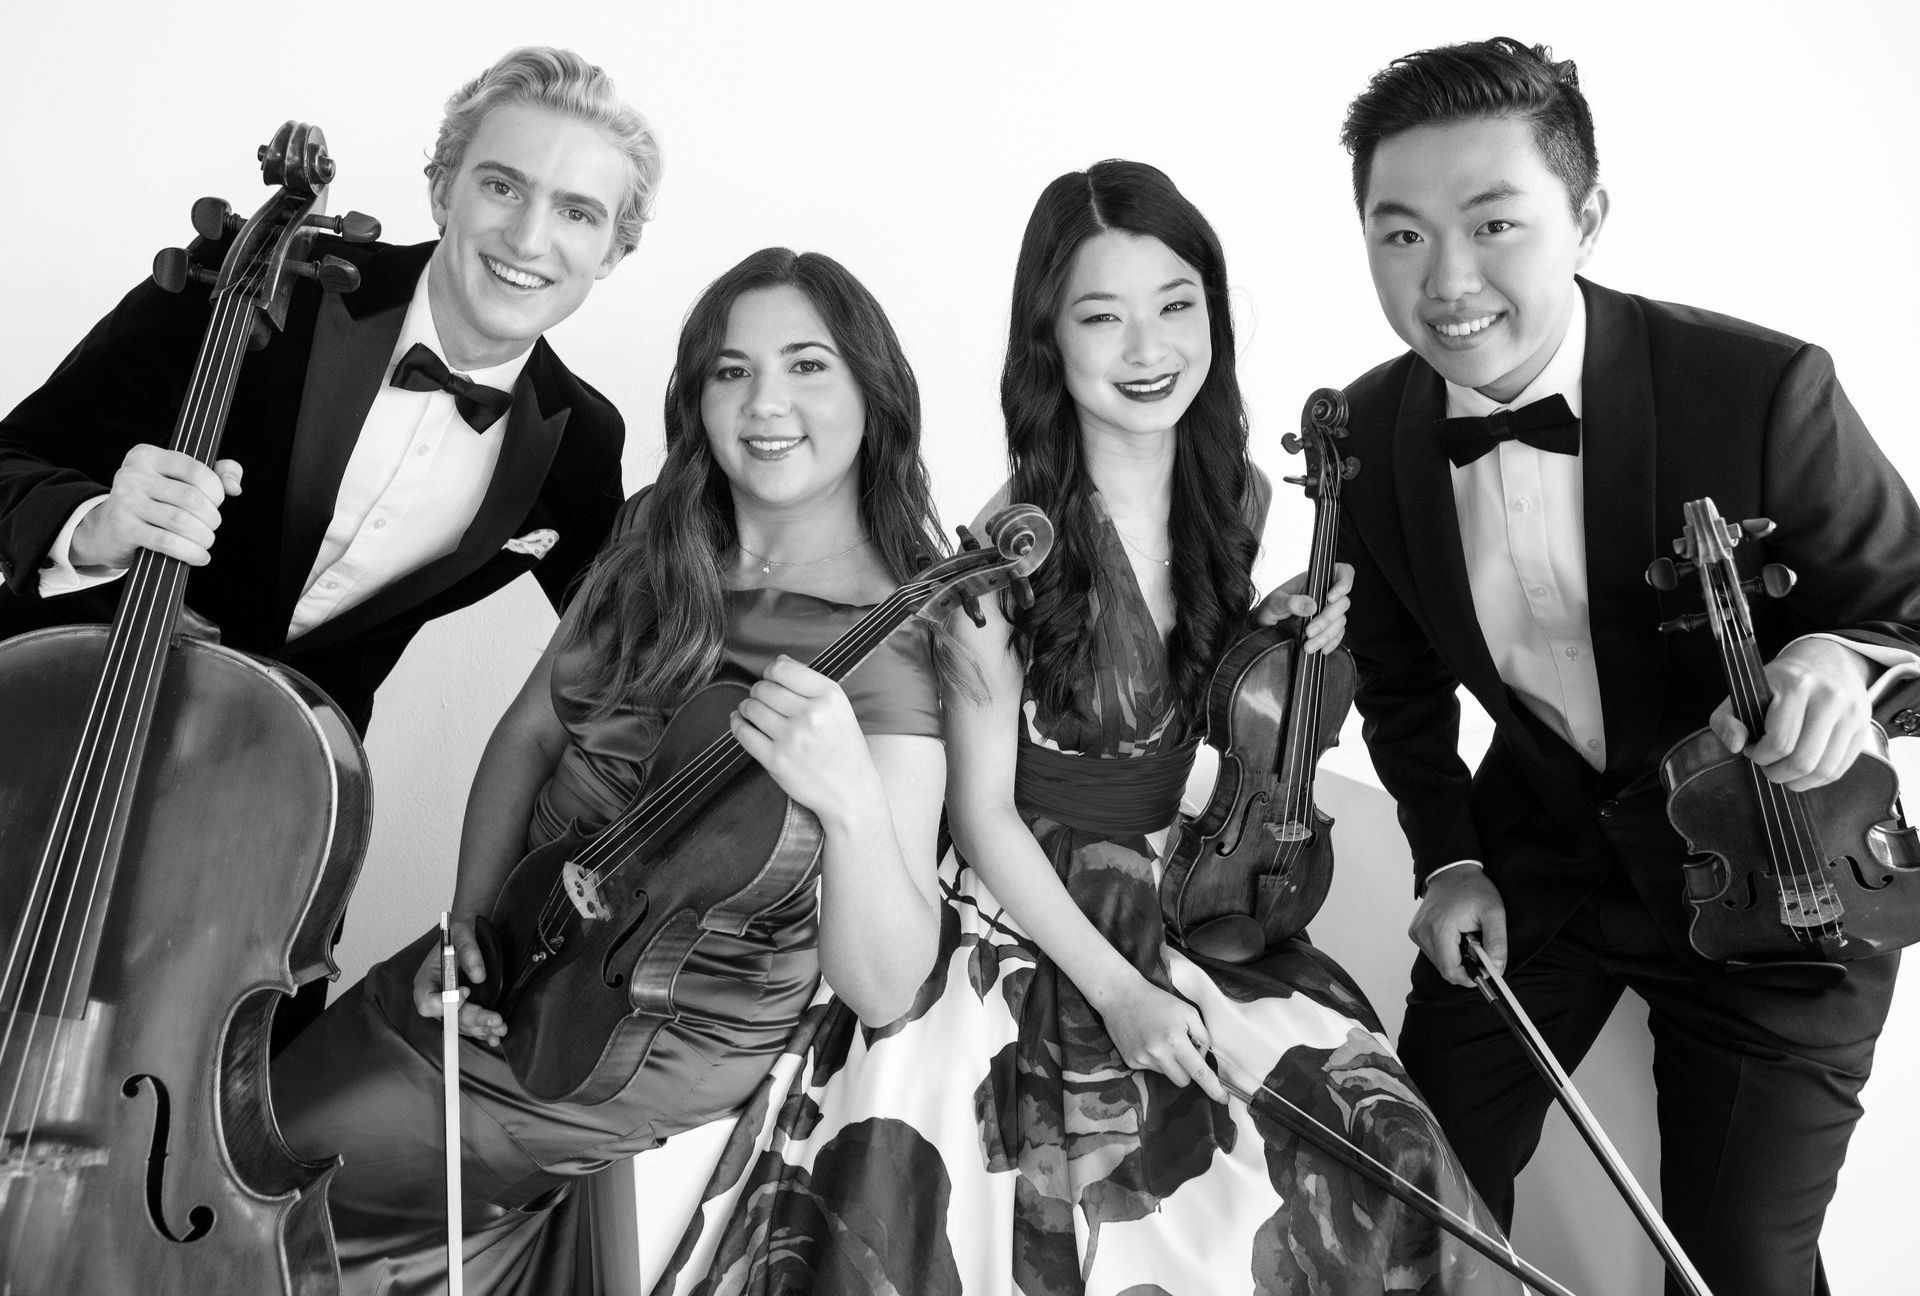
{"points": [[414, 482]]}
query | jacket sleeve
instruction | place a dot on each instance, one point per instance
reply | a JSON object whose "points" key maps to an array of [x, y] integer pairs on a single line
{"points": [[1409, 707], [122, 386]]}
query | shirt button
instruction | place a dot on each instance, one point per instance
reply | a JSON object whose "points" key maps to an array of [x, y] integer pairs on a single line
{"points": [[1522, 504], [1608, 809], [1593, 744], [378, 523], [330, 585], [1570, 652], [420, 450], [1538, 591]]}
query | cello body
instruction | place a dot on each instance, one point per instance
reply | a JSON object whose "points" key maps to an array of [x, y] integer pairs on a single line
{"points": [[153, 1164], [180, 825]]}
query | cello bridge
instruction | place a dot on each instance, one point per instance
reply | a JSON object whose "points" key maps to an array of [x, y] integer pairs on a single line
{"points": [[583, 890]]}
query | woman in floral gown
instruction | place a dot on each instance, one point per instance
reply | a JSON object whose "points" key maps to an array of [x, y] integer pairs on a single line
{"points": [[1049, 1117]]}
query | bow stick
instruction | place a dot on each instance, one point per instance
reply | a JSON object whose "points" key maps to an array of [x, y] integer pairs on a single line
{"points": [[450, 1074], [1336, 1145], [1495, 989]]}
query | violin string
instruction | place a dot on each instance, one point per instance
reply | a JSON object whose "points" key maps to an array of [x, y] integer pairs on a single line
{"points": [[694, 780], [109, 758]]}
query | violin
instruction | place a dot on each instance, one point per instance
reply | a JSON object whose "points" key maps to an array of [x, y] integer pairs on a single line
{"points": [[1788, 884], [590, 932], [180, 824], [1256, 865]]}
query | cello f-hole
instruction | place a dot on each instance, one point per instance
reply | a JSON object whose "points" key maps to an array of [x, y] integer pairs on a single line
{"points": [[200, 1219]]}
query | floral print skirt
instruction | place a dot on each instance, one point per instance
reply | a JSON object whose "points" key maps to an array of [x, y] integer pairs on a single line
{"points": [[990, 1141]]}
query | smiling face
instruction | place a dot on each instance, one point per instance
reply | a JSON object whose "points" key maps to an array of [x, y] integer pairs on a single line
{"points": [[1133, 335], [527, 225], [1473, 246], [783, 414]]}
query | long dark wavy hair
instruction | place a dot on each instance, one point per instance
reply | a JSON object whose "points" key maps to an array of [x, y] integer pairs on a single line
{"points": [[655, 598], [1213, 543]]}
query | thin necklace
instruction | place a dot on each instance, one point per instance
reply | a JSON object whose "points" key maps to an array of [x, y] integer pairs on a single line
{"points": [[767, 564], [1128, 540]]}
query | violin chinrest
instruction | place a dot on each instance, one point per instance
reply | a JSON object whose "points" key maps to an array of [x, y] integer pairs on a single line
{"points": [[1230, 938]]}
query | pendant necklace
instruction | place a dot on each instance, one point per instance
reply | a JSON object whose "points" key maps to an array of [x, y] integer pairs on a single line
{"points": [[1128, 540], [767, 564]]}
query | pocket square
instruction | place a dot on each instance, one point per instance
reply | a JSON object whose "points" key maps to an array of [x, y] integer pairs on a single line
{"points": [[535, 543]]}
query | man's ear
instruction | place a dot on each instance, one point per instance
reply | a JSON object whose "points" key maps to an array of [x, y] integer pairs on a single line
{"points": [[437, 199], [1593, 217], [615, 255]]}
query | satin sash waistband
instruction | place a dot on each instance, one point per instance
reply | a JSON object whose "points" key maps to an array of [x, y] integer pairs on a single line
{"points": [[1115, 797]]}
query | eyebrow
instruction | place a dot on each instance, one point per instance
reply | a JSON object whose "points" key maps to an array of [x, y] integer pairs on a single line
{"points": [[564, 198], [1500, 192], [790, 348], [1167, 287]]}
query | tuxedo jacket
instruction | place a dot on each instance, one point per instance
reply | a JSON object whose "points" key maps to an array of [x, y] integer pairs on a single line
{"points": [[296, 414], [1678, 404]]}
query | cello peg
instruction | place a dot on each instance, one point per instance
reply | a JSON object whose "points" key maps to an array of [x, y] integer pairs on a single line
{"points": [[1291, 443], [1775, 581], [970, 604], [334, 274], [1690, 621], [1295, 481], [1022, 596], [1757, 528], [172, 270], [354, 227], [213, 217], [968, 540], [1665, 574]]}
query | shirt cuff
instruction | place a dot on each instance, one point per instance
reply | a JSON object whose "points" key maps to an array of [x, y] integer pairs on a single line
{"points": [[1897, 664], [58, 575], [1427, 881]]}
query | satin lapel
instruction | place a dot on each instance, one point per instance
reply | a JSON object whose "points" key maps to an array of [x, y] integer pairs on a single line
{"points": [[1423, 485], [1618, 449], [533, 437], [348, 364]]}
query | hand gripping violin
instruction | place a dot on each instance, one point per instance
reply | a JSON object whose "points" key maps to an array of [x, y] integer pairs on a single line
{"points": [[1255, 867], [589, 933], [180, 825], [1792, 885]]}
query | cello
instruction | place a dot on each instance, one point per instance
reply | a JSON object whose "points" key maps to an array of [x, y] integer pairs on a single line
{"points": [[180, 825], [1256, 865], [590, 932], [1790, 886]]}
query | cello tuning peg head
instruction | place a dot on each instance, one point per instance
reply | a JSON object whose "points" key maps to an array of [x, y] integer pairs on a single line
{"points": [[968, 543], [354, 227], [1776, 580], [173, 270], [1666, 574], [1022, 595], [1683, 546], [213, 217], [334, 274], [1295, 481], [1758, 528], [1291, 441], [970, 604], [1349, 467], [1680, 624]]}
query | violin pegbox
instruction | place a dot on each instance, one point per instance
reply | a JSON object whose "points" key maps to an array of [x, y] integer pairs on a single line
{"points": [[1705, 549], [1021, 537], [1323, 423]]}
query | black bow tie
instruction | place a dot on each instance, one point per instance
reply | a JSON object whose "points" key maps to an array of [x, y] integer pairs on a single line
{"points": [[421, 370], [1547, 424]]}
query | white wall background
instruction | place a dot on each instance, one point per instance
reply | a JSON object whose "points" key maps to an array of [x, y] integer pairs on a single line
{"points": [[1759, 156]]}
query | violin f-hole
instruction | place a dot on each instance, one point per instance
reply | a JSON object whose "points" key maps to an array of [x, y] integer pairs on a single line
{"points": [[200, 1218], [1882, 882]]}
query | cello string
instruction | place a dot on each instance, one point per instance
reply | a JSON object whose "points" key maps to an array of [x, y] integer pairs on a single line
{"points": [[145, 630]]}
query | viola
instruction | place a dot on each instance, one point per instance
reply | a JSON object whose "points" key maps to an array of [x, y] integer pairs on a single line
{"points": [[1255, 867], [590, 932], [1787, 884], [180, 824]]}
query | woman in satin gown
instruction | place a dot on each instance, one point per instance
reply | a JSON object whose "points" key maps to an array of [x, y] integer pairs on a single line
{"points": [[1049, 1118], [792, 499]]}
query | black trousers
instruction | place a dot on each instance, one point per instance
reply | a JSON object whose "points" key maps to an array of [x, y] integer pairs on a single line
{"points": [[1758, 1088]]}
